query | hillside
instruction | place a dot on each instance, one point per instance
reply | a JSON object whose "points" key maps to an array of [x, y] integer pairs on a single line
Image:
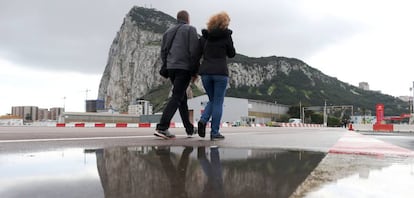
{"points": [[311, 87], [134, 60]]}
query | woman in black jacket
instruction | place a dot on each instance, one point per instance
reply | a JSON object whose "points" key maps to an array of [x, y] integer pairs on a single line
{"points": [[217, 45]]}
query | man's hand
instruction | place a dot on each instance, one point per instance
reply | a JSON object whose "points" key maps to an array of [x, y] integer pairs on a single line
{"points": [[194, 78]]}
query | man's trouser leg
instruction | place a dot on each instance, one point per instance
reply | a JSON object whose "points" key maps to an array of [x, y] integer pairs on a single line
{"points": [[180, 80]]}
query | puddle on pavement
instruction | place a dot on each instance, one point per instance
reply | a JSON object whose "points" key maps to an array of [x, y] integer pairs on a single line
{"points": [[156, 172], [200, 172]]}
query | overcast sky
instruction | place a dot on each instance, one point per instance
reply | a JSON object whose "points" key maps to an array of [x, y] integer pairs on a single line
{"points": [[53, 52]]}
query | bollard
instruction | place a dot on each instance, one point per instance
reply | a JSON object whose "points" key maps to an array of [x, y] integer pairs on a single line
{"points": [[350, 127]]}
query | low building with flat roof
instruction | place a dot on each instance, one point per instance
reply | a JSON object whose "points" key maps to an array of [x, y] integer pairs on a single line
{"points": [[236, 110]]}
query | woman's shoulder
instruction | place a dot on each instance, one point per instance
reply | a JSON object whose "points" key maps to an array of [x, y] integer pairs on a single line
{"points": [[216, 33]]}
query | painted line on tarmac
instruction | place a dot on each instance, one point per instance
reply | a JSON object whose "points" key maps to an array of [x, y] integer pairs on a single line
{"points": [[107, 138], [355, 143], [74, 139]]}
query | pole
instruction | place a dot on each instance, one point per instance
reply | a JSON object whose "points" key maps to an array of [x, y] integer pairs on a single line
{"points": [[410, 102], [411, 106], [324, 116], [86, 99], [64, 103], [300, 111], [303, 113], [86, 94]]}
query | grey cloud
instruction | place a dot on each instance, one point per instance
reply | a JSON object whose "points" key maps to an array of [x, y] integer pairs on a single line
{"points": [[56, 35], [76, 35]]}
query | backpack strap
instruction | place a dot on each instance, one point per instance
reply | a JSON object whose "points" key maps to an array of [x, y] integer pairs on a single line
{"points": [[172, 39]]}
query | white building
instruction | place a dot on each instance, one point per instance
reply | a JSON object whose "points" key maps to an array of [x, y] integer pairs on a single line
{"points": [[364, 85], [28, 113], [363, 119], [236, 110], [142, 107], [135, 109]]}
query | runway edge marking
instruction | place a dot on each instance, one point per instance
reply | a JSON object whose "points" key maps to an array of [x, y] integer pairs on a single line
{"points": [[355, 143]]}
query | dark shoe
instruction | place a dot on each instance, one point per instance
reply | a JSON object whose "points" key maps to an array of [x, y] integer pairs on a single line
{"points": [[187, 150], [164, 134], [216, 137], [201, 129], [191, 133]]}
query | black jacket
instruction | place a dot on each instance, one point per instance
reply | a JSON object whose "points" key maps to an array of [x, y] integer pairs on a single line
{"points": [[216, 46]]}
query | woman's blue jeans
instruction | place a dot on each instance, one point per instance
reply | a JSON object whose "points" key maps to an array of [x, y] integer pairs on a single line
{"points": [[215, 86]]}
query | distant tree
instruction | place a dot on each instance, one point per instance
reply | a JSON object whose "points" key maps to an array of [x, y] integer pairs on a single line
{"points": [[334, 122], [317, 118], [283, 118], [294, 111]]}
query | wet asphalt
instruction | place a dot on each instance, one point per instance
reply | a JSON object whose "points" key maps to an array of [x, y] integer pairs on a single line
{"points": [[249, 162]]}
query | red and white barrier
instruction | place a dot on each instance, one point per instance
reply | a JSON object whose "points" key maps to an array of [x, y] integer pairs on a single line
{"points": [[299, 125], [172, 125], [106, 125]]}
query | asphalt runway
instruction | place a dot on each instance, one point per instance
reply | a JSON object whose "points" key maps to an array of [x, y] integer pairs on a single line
{"points": [[273, 162], [29, 138]]}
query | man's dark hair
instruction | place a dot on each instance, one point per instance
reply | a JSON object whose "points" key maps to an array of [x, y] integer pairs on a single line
{"points": [[182, 15]]}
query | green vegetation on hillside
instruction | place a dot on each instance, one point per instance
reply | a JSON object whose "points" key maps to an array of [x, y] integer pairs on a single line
{"points": [[301, 84], [151, 19], [158, 97], [298, 88]]}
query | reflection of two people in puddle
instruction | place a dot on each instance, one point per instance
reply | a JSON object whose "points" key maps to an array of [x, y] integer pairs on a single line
{"points": [[177, 175], [214, 185]]}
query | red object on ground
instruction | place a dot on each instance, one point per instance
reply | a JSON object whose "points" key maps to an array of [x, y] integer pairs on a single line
{"points": [[380, 113], [99, 124], [121, 124], [144, 124], [383, 127], [60, 124], [350, 127], [79, 124]]}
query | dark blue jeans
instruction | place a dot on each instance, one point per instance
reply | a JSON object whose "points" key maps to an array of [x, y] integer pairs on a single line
{"points": [[215, 86], [180, 80], [214, 186]]}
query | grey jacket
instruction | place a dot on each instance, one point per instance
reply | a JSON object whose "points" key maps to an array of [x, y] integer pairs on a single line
{"points": [[184, 49]]}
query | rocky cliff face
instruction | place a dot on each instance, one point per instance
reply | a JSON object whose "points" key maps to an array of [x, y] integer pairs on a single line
{"points": [[133, 62], [140, 171], [254, 75]]}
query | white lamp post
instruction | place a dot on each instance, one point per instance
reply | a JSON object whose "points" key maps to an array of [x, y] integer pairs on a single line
{"points": [[325, 119], [412, 101]]}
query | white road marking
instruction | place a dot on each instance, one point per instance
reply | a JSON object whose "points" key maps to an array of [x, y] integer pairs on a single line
{"points": [[72, 139], [107, 138]]}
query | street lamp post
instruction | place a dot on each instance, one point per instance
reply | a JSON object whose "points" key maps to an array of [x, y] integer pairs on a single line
{"points": [[64, 103], [276, 109], [303, 113], [300, 111], [412, 101], [324, 116]]}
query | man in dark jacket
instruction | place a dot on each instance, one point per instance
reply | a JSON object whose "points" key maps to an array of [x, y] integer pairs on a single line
{"points": [[182, 65]]}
